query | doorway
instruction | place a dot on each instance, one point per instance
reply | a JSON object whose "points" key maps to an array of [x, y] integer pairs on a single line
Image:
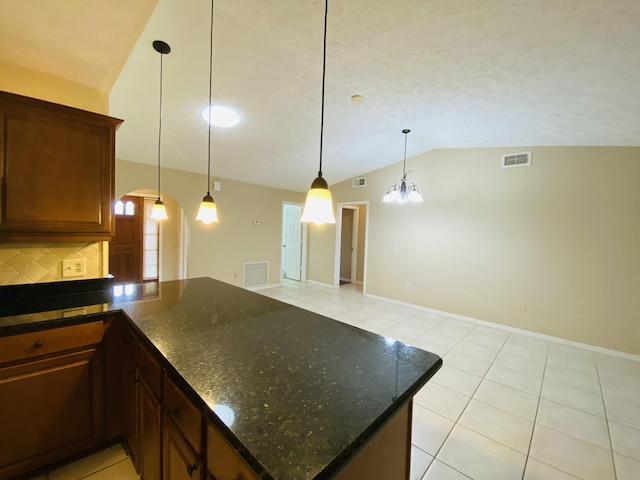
{"points": [[125, 252], [348, 245], [294, 243], [142, 249], [351, 244]]}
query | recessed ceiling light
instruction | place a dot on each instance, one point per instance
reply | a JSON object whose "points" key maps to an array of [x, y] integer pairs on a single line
{"points": [[221, 116], [357, 98]]}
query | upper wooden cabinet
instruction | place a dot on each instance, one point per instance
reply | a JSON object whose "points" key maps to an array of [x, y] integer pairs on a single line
{"points": [[57, 171]]}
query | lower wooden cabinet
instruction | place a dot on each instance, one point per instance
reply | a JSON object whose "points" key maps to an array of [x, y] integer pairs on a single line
{"points": [[180, 460], [149, 435], [51, 408], [223, 461]]}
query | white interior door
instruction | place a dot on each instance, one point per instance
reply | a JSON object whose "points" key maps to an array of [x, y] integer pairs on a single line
{"points": [[291, 242]]}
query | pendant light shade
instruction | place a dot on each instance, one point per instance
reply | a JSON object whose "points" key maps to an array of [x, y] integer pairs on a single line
{"points": [[159, 211], [401, 193], [208, 212], [318, 208]]}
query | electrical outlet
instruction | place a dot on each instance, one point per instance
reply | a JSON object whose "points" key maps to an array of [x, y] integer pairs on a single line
{"points": [[409, 286], [74, 268], [522, 307]]}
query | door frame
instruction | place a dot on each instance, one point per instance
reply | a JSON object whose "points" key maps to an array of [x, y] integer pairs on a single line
{"points": [[336, 264], [303, 250]]}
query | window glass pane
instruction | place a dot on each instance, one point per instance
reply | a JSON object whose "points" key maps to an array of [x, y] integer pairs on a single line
{"points": [[150, 242], [150, 271], [129, 208], [118, 208]]}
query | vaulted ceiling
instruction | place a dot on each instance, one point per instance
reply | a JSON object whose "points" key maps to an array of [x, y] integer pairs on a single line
{"points": [[457, 73]]}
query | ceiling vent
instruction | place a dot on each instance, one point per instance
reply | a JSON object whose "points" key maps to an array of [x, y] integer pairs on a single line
{"points": [[359, 182], [522, 159]]}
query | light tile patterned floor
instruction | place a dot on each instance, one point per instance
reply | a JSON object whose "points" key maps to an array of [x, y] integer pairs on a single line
{"points": [[504, 406]]}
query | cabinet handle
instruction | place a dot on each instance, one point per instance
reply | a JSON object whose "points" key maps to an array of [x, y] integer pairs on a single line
{"points": [[175, 412], [38, 344], [192, 468]]}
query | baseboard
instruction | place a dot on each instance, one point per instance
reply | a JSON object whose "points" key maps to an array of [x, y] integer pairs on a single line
{"points": [[320, 284], [262, 287], [521, 331]]}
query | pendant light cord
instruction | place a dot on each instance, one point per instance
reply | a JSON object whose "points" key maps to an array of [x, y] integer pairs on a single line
{"points": [[209, 122], [404, 163], [324, 67], [160, 125]]}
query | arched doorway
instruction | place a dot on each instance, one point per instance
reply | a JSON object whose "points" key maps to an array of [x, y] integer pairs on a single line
{"points": [[143, 249]]}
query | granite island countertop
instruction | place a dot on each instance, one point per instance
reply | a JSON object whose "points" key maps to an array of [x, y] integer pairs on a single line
{"points": [[296, 392]]}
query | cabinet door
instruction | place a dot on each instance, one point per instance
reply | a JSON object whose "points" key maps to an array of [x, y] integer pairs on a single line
{"points": [[223, 461], [149, 434], [57, 171], [180, 461], [129, 408], [51, 408]]}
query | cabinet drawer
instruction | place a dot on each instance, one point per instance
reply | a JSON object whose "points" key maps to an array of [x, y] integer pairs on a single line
{"points": [[223, 461], [150, 370], [34, 344], [185, 415]]}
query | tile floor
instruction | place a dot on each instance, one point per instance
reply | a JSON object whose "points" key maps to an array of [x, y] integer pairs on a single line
{"points": [[504, 406]]}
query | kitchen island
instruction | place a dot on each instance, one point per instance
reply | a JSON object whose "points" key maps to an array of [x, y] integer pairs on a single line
{"points": [[296, 394]]}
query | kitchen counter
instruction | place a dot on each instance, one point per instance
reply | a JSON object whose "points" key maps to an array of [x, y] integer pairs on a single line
{"points": [[295, 392]]}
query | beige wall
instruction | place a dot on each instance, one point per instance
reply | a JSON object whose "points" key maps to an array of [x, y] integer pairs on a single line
{"points": [[219, 250], [560, 236], [34, 84], [42, 262]]}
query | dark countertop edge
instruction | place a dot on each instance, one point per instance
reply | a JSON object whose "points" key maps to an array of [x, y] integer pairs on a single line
{"points": [[349, 452], [328, 472], [48, 324]]}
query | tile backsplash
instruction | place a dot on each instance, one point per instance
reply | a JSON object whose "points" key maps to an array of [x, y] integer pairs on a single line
{"points": [[34, 263]]}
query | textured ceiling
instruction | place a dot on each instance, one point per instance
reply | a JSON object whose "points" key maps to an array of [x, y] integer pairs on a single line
{"points": [[457, 73]]}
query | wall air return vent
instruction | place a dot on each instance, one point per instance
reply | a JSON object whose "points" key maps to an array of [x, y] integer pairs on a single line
{"points": [[522, 159], [256, 274], [359, 182]]}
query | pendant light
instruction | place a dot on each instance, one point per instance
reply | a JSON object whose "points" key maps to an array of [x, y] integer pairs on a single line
{"points": [[208, 213], [401, 193], [159, 211], [318, 208]]}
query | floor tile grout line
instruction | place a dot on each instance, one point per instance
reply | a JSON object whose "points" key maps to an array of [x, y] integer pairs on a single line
{"points": [[535, 417], [606, 421], [105, 468]]}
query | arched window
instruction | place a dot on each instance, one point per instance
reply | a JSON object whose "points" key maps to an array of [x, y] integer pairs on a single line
{"points": [[122, 208], [129, 208]]}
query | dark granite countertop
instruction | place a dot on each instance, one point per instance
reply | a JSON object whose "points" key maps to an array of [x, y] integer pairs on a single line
{"points": [[294, 391]]}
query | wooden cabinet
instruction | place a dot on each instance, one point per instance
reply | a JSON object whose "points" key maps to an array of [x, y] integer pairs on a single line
{"points": [[182, 435], [56, 171], [141, 407], [150, 416], [51, 396], [180, 460], [223, 461]]}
